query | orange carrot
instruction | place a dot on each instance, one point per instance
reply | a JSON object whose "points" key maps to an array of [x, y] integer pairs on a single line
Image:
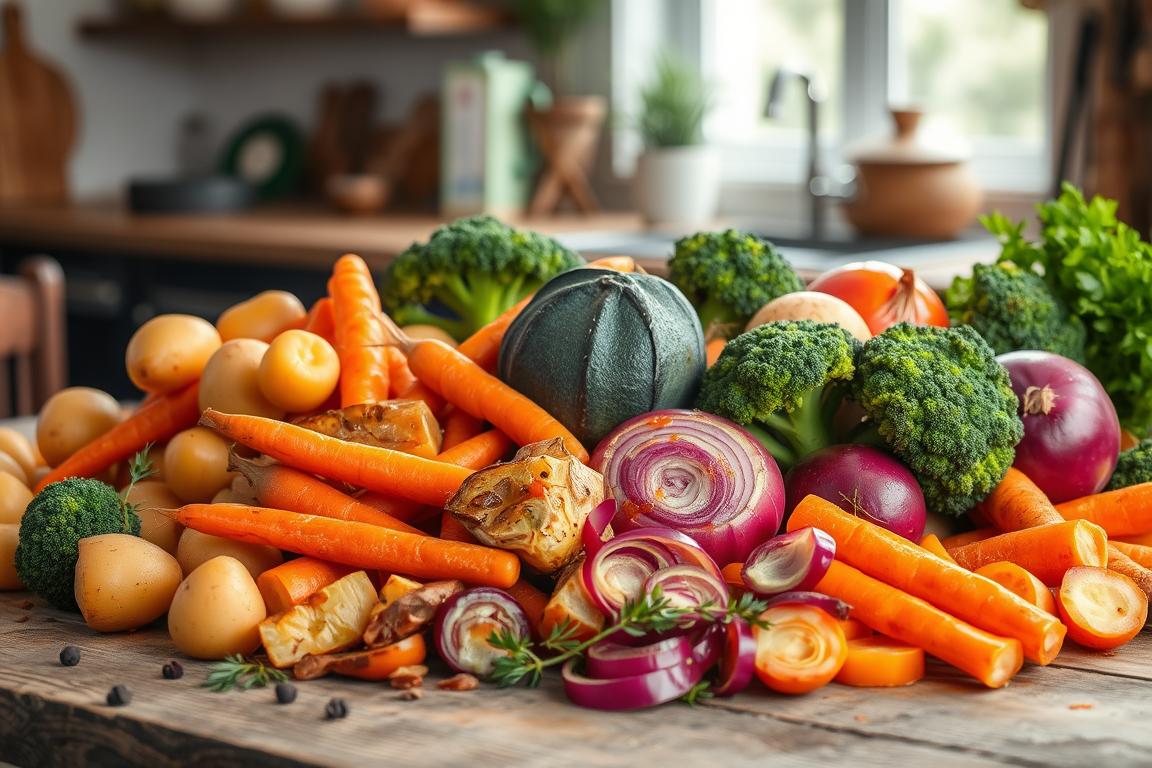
{"points": [[478, 452], [1019, 581], [1102, 608], [1143, 539], [155, 422], [402, 385], [733, 576], [291, 583], [713, 349], [1125, 563], [282, 487], [854, 629], [880, 662], [1046, 551], [320, 320], [392, 473], [1140, 553], [960, 539], [461, 382], [398, 509], [1016, 503], [894, 560], [483, 346], [1128, 440], [933, 545], [356, 313], [460, 426], [357, 544], [990, 659], [615, 263], [1124, 512], [372, 664]]}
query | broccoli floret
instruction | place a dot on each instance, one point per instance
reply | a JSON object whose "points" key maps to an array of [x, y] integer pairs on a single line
{"points": [[51, 529], [1133, 466], [728, 276], [943, 405], [1012, 308], [780, 380], [475, 268]]}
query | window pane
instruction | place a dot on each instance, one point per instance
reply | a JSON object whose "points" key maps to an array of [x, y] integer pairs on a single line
{"points": [[746, 41]]}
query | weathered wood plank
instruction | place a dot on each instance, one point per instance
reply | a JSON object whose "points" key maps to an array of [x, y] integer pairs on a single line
{"points": [[1132, 660]]}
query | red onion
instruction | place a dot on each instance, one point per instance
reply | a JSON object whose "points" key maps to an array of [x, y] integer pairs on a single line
{"points": [[466, 620], [689, 587], [737, 660], [693, 472], [610, 660], [790, 561], [863, 481], [835, 607], [1071, 432]]}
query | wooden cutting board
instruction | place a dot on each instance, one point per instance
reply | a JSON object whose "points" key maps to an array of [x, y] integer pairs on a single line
{"points": [[37, 120]]}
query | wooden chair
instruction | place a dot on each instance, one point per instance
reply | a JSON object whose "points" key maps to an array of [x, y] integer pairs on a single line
{"points": [[32, 343]]}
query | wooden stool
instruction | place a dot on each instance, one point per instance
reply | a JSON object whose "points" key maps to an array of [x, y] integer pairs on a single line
{"points": [[32, 335]]}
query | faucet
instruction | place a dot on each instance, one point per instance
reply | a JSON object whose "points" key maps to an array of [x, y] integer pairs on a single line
{"points": [[819, 187]]}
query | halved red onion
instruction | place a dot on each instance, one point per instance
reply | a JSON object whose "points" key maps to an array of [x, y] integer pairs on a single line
{"points": [[791, 561], [833, 605], [696, 473], [737, 659], [689, 587], [610, 660], [465, 622]]}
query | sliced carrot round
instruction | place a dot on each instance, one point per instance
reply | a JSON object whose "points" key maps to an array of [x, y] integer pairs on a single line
{"points": [[802, 649], [378, 663], [1020, 581], [1102, 609], [732, 576], [881, 662], [854, 629]]}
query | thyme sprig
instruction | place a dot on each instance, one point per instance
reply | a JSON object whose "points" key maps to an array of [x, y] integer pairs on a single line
{"points": [[235, 671]]}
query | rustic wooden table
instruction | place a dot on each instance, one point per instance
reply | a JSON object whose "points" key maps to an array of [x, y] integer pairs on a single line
{"points": [[1086, 708]]}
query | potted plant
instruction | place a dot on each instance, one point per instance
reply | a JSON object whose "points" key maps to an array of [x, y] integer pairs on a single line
{"points": [[678, 175]]}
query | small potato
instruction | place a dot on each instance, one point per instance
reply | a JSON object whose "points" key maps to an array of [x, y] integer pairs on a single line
{"points": [[299, 371], [198, 548], [149, 496], [217, 611], [421, 331], [228, 496], [169, 352], [231, 381], [264, 316], [123, 582], [18, 447], [14, 498], [9, 538], [196, 461], [9, 466], [71, 419], [815, 306]]}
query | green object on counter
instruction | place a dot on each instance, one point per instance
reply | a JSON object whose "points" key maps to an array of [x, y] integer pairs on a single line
{"points": [[268, 153]]}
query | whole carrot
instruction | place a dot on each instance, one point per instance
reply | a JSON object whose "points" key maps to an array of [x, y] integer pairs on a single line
{"points": [[356, 313], [960, 539], [155, 422], [402, 385], [458, 427], [1046, 551], [291, 583], [1124, 512], [478, 452], [320, 321], [1016, 503], [1019, 581], [356, 544], [483, 347], [1131, 563], [894, 560], [932, 543], [1139, 552], [990, 659], [392, 473]]}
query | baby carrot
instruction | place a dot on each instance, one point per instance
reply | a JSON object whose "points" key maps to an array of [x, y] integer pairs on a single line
{"points": [[392, 473], [478, 452], [320, 320], [932, 543], [356, 544], [356, 313], [1016, 502], [1046, 551], [894, 560], [960, 539], [1019, 581], [1124, 512], [291, 583]]}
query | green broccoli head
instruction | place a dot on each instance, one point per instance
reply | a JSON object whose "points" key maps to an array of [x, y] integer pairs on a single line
{"points": [[51, 529], [1013, 308], [781, 380], [1133, 467], [944, 406], [475, 268], [728, 276]]}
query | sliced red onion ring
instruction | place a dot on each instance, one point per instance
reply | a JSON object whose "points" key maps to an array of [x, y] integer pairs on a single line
{"points": [[467, 619], [789, 562], [834, 606], [611, 660], [737, 660], [689, 587], [592, 532]]}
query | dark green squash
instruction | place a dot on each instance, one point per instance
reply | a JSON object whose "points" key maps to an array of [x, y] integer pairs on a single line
{"points": [[596, 347]]}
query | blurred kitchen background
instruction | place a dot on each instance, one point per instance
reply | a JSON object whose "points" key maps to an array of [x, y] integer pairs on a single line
{"points": [[180, 155]]}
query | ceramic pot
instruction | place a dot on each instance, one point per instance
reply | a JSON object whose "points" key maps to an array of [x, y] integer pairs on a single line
{"points": [[907, 189], [678, 185]]}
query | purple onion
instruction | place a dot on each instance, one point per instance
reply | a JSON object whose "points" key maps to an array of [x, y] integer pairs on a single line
{"points": [[737, 660], [466, 620], [834, 606], [789, 562], [611, 660], [689, 587]]}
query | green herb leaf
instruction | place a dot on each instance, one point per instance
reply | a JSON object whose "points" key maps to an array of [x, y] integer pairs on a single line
{"points": [[237, 672]]}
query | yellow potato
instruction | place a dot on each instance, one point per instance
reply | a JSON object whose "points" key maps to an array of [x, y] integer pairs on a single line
{"points": [[14, 498], [231, 380], [9, 538], [71, 419], [123, 582], [421, 331], [815, 306], [149, 496], [197, 548], [196, 462], [217, 611], [169, 352], [264, 316], [18, 447], [228, 496], [9, 466], [299, 371]]}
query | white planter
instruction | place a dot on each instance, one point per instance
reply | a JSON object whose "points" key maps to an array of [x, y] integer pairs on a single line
{"points": [[678, 185]]}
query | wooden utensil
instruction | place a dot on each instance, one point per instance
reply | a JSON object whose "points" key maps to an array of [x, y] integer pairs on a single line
{"points": [[38, 121]]}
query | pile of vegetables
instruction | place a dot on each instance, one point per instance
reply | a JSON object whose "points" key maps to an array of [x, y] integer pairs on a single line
{"points": [[345, 494]]}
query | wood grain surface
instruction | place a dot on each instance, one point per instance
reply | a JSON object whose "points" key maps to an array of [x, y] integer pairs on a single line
{"points": [[1088, 707]]}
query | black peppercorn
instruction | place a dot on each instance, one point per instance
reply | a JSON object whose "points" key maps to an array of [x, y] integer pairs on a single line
{"points": [[336, 709], [173, 670], [119, 696], [70, 656], [285, 693]]}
